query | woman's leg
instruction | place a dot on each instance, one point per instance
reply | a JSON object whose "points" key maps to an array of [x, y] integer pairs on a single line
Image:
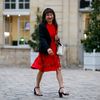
{"points": [[61, 84], [59, 77], [60, 80], [61, 91], [38, 80]]}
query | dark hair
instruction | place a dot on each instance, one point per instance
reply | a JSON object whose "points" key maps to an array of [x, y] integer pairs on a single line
{"points": [[49, 10]]}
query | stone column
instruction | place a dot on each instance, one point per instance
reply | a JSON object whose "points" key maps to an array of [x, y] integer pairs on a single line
{"points": [[70, 30], [73, 34], [65, 31], [1, 23]]}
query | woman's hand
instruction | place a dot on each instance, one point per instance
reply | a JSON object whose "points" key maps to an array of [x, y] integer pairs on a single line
{"points": [[56, 38], [50, 51]]}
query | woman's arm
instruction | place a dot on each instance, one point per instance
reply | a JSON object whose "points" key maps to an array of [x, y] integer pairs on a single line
{"points": [[44, 46]]}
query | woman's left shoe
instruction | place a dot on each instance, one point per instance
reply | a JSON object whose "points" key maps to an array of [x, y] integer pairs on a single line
{"points": [[61, 93]]}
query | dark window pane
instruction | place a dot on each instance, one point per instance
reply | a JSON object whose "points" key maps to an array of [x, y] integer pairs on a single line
{"points": [[21, 6], [14, 42], [21, 0], [13, 6], [13, 0], [26, 5], [7, 0], [27, 0], [84, 3], [7, 6]]}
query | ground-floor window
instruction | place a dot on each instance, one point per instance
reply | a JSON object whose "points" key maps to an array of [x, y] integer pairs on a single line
{"points": [[16, 30]]}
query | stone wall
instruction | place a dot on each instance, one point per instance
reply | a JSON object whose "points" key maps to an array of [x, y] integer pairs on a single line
{"points": [[15, 56], [1, 22]]}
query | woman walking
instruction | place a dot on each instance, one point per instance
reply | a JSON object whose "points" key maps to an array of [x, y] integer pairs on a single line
{"points": [[48, 60]]}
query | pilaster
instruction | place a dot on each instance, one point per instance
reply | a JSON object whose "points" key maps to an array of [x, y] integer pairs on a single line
{"points": [[1, 23]]}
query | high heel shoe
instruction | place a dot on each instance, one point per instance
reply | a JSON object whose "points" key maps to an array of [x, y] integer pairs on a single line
{"points": [[62, 93], [35, 93]]}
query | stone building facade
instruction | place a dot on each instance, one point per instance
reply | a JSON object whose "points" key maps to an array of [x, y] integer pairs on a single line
{"points": [[15, 14]]}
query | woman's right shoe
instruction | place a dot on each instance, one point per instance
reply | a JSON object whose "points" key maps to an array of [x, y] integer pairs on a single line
{"points": [[35, 93], [62, 93]]}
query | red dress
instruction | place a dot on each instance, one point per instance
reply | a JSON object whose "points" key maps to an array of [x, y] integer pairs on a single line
{"points": [[48, 62]]}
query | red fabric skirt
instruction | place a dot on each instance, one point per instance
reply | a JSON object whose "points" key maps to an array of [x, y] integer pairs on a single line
{"points": [[46, 62]]}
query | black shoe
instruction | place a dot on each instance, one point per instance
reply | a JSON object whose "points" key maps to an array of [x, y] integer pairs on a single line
{"points": [[35, 93], [62, 93]]}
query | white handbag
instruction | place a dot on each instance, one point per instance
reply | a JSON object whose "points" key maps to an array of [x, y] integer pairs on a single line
{"points": [[60, 50]]}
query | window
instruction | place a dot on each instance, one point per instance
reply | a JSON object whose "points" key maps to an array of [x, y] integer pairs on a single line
{"points": [[17, 4], [10, 4], [85, 3], [24, 30], [17, 30], [24, 4]]}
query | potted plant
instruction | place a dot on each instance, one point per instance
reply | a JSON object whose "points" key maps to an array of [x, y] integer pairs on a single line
{"points": [[34, 41], [91, 42]]}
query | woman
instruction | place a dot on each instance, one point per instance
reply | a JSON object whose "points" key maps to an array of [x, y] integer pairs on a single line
{"points": [[47, 59]]}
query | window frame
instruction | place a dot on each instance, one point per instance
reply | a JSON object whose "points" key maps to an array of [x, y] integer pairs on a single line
{"points": [[25, 3]]}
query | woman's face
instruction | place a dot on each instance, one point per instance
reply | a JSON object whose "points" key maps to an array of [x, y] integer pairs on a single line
{"points": [[49, 17]]}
